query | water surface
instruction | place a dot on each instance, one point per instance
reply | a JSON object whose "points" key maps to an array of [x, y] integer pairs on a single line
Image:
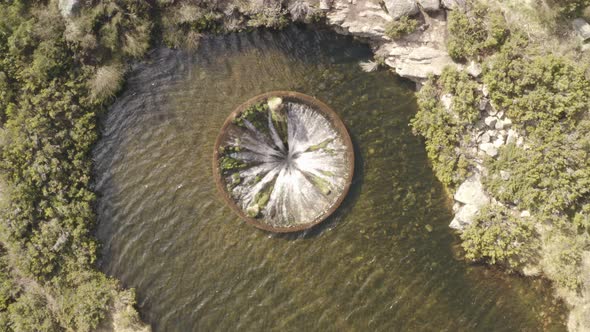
{"points": [[384, 261]]}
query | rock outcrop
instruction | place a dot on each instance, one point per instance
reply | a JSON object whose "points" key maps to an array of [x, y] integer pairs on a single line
{"points": [[414, 56], [429, 5], [582, 29], [470, 198]]}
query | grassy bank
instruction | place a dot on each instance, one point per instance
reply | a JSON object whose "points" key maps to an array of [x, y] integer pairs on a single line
{"points": [[534, 72]]}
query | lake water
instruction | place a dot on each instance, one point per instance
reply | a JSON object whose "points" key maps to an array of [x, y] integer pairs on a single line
{"points": [[384, 261]]}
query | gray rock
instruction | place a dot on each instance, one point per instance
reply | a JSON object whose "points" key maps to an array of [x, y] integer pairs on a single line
{"points": [[447, 101], [401, 8], [325, 4], [489, 149], [504, 175], [421, 62], [464, 217], [525, 213], [453, 4], [430, 5], [485, 138], [483, 104], [491, 121], [499, 142], [67, 7], [582, 28], [512, 137], [503, 124], [474, 69], [471, 192]]}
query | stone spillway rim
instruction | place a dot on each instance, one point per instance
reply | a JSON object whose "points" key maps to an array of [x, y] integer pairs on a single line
{"points": [[317, 105]]}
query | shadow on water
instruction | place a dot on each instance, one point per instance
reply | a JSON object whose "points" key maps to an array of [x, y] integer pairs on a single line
{"points": [[382, 262]]}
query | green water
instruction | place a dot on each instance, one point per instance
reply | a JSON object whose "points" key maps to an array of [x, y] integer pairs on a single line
{"points": [[373, 265]]}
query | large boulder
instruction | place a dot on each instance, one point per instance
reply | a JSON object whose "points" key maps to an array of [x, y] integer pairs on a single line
{"points": [[325, 4], [464, 217], [430, 5], [67, 7], [401, 8], [471, 192], [421, 62], [582, 28]]}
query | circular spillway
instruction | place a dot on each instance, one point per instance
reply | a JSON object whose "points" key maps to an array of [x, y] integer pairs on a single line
{"points": [[283, 161]]}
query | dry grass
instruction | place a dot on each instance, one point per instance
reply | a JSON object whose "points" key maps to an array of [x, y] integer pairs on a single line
{"points": [[106, 82]]}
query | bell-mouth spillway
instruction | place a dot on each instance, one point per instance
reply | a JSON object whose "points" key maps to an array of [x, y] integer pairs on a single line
{"points": [[283, 161]]}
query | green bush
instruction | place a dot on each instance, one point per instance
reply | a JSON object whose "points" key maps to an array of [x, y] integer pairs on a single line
{"points": [[479, 31], [562, 254], [499, 237], [401, 27], [540, 93], [273, 17], [31, 312], [444, 129], [547, 97], [546, 178], [83, 307]]}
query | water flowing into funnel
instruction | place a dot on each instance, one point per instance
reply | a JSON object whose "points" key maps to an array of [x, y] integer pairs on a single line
{"points": [[286, 162]]}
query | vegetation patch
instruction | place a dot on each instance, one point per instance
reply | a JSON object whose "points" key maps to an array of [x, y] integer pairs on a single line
{"points": [[445, 128], [54, 80], [548, 98], [499, 237], [399, 28], [475, 32]]}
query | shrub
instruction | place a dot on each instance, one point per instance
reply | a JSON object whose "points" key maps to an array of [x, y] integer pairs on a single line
{"points": [[582, 218], [273, 17], [31, 312], [84, 306], [476, 32], [401, 27], [547, 178], [540, 94], [547, 97], [444, 129], [499, 237], [562, 254]]}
